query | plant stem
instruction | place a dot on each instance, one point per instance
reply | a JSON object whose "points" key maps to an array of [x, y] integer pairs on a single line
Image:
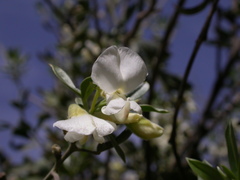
{"points": [[71, 148]]}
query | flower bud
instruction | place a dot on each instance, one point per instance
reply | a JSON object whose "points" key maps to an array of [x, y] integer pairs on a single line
{"points": [[146, 129], [56, 150]]}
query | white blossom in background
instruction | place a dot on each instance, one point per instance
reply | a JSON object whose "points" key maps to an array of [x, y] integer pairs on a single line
{"points": [[81, 124], [119, 71]]}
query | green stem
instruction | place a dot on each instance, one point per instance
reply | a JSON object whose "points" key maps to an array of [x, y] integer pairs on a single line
{"points": [[94, 102]]}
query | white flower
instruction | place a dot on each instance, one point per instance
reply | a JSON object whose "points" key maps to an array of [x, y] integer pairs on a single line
{"points": [[120, 108], [81, 124], [119, 71]]}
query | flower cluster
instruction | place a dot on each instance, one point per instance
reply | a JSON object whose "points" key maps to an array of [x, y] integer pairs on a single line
{"points": [[117, 72]]}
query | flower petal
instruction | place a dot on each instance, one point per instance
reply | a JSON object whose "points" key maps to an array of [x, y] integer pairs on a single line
{"points": [[98, 138], [122, 115], [133, 69], [135, 107], [75, 110], [106, 70], [114, 106], [103, 127], [78, 124], [73, 137]]}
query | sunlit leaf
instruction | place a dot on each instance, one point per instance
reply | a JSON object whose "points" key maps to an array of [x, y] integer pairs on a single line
{"points": [[204, 170], [62, 76], [227, 172], [233, 156], [149, 108]]}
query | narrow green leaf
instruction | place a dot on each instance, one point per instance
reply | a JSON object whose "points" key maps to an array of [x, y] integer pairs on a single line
{"points": [[62, 76], [228, 172], [119, 139], [233, 156], [117, 147], [149, 108], [139, 92], [222, 173], [196, 9], [204, 170]]}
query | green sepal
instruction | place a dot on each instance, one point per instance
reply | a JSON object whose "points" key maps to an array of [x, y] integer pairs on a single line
{"points": [[204, 170], [100, 104], [149, 108], [63, 76]]}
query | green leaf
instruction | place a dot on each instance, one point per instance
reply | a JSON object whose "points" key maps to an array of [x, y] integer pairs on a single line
{"points": [[204, 170], [149, 108], [62, 76], [233, 156], [140, 91], [194, 10], [119, 139], [117, 147], [228, 172]]}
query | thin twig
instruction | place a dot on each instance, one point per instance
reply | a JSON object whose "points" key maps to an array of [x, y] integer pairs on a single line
{"points": [[201, 38], [140, 17], [73, 148]]}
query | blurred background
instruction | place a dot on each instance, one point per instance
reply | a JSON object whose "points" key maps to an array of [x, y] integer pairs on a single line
{"points": [[71, 34]]}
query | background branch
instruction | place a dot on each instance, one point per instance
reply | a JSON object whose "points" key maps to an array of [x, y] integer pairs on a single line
{"points": [[201, 38], [140, 17]]}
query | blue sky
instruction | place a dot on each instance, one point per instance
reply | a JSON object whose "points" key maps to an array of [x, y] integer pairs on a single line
{"points": [[20, 26]]}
